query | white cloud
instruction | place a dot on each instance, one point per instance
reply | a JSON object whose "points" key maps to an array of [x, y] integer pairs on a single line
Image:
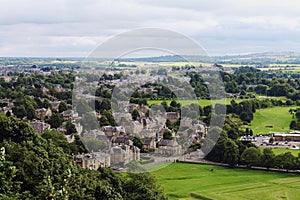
{"points": [[73, 27]]}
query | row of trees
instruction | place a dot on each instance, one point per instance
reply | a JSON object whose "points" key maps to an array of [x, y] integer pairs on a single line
{"points": [[232, 151]]}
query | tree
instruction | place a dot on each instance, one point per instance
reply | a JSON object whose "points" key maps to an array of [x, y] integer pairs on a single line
{"points": [[70, 128], [168, 135], [19, 111], [251, 156], [46, 104], [267, 158], [231, 152], [104, 121], [55, 120], [8, 188], [142, 186], [286, 161], [135, 114], [138, 142], [62, 107], [95, 145]]}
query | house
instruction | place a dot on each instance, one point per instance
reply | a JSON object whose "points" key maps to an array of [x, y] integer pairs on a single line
{"points": [[117, 141], [144, 109], [5, 109], [40, 126], [70, 138], [132, 106], [69, 115], [43, 113], [148, 144], [92, 160], [123, 154], [126, 117], [169, 147], [55, 105], [172, 116], [113, 130]]}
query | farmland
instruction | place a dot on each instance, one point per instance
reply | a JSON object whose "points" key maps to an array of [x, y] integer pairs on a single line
{"points": [[196, 181]]}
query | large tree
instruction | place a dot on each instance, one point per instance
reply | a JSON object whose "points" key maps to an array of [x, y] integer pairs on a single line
{"points": [[251, 156]]}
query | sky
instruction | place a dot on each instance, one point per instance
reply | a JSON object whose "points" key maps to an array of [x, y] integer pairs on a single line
{"points": [[74, 28]]}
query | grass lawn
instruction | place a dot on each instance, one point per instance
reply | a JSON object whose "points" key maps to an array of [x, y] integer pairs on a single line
{"points": [[275, 119], [201, 102], [283, 150], [205, 102], [196, 181]]}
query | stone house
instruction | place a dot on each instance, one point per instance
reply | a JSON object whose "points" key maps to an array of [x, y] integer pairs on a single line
{"points": [[169, 147], [55, 105], [92, 160], [69, 115], [43, 113], [113, 130], [123, 154], [40, 126], [149, 144], [172, 116]]}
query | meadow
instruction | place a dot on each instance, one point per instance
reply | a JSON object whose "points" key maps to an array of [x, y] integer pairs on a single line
{"points": [[197, 181], [201, 102], [274, 119], [277, 151]]}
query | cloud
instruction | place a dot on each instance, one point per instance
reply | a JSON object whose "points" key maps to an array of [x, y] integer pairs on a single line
{"points": [[73, 27]]}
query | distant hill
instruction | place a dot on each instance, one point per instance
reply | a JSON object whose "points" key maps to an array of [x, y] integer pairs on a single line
{"points": [[255, 58]]}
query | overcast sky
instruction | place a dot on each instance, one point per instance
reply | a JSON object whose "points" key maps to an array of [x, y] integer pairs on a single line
{"points": [[74, 27]]}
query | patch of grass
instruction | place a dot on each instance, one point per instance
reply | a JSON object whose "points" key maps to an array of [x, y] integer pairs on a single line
{"points": [[196, 181], [283, 150], [275, 119], [201, 102]]}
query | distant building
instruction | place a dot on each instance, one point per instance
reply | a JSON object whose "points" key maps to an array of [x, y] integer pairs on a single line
{"points": [[43, 113], [55, 105], [149, 144], [169, 147], [123, 154], [93, 160], [172, 116], [40, 126], [295, 137], [69, 115]]}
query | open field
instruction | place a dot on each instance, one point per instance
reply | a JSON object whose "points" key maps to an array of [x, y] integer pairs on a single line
{"points": [[275, 119], [196, 181], [283, 150], [201, 102], [205, 102]]}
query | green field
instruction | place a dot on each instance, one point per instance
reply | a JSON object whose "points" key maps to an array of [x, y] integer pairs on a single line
{"points": [[283, 150], [205, 102], [201, 102], [275, 119], [196, 181]]}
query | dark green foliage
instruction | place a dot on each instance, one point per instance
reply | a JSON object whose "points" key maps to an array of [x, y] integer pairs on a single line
{"points": [[70, 127], [62, 107], [267, 158], [135, 114], [55, 120], [168, 135], [35, 167], [251, 156]]}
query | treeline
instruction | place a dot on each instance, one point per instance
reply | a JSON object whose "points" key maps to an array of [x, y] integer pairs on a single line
{"points": [[40, 167], [231, 151]]}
